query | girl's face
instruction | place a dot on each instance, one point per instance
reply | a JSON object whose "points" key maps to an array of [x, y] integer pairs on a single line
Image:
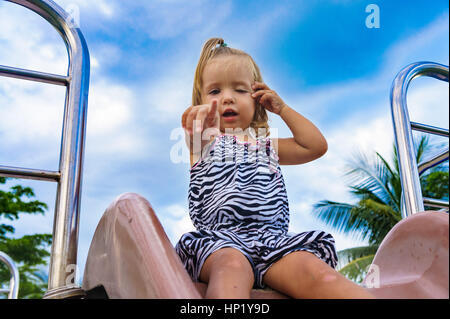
{"points": [[228, 79]]}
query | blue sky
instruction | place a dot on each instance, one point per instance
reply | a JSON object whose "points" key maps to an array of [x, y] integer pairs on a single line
{"points": [[318, 55]]}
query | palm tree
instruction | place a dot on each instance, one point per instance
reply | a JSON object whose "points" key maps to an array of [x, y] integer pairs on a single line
{"points": [[377, 187]]}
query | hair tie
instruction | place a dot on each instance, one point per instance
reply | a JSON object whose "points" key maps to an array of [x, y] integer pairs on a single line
{"points": [[223, 44]]}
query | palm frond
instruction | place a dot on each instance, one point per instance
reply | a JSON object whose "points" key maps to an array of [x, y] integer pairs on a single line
{"points": [[393, 182], [356, 270], [353, 220], [364, 193], [335, 214], [346, 256], [423, 145], [371, 175], [379, 219]]}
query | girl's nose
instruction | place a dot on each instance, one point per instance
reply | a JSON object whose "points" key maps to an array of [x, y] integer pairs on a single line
{"points": [[227, 97]]}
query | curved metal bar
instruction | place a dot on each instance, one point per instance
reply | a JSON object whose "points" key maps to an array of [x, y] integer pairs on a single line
{"points": [[413, 200], [433, 161], [33, 75], [13, 290], [19, 172], [429, 129], [63, 258], [433, 202]]}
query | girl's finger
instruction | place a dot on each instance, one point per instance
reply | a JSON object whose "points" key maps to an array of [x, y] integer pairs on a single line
{"points": [[201, 115], [190, 119], [263, 99], [212, 111], [260, 85], [185, 115], [213, 107], [260, 92]]}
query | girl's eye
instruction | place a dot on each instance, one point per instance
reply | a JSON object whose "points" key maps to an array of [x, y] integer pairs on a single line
{"points": [[216, 91]]}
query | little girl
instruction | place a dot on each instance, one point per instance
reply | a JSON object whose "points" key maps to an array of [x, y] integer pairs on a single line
{"points": [[237, 196]]}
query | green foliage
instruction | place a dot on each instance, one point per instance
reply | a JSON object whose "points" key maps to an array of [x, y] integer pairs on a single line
{"points": [[377, 187], [436, 185], [353, 262], [28, 252]]}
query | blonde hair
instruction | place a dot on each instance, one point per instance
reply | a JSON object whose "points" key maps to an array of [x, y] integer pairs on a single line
{"points": [[209, 51]]}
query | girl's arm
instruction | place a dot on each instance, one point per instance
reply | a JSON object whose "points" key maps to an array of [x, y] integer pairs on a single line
{"points": [[307, 144]]}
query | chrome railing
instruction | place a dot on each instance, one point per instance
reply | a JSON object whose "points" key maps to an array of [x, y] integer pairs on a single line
{"points": [[13, 289], [63, 257], [412, 198]]}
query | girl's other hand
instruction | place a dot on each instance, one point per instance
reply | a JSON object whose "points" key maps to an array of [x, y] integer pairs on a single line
{"points": [[267, 98]]}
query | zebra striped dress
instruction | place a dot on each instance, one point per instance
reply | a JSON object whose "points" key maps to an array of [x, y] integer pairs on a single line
{"points": [[237, 198]]}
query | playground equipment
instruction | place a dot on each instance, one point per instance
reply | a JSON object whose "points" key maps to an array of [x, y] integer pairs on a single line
{"points": [[413, 202], [412, 260], [68, 194], [13, 289], [131, 256]]}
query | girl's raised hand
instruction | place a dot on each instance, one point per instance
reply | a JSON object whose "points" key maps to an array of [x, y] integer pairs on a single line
{"points": [[267, 98], [202, 117]]}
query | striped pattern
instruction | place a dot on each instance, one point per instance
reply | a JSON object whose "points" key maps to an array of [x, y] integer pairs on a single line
{"points": [[237, 198]]}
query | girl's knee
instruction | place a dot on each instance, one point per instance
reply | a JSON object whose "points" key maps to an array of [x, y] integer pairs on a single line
{"points": [[226, 261], [315, 271], [320, 271], [231, 275], [232, 259]]}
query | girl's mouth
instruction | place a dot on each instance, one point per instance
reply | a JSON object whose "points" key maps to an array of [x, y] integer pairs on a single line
{"points": [[229, 116]]}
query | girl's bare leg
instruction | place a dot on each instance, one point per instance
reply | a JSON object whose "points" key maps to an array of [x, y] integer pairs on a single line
{"points": [[301, 274], [228, 274]]}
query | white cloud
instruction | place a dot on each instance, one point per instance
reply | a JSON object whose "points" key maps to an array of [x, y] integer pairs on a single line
{"points": [[428, 102], [110, 107], [417, 47], [167, 99], [30, 110], [175, 220], [31, 117], [166, 19], [34, 117], [104, 55], [106, 9], [31, 43]]}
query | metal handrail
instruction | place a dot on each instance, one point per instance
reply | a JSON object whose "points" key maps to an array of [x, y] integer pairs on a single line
{"points": [[433, 161], [412, 199], [429, 129], [433, 202], [13, 290], [29, 173], [33, 75], [63, 257]]}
